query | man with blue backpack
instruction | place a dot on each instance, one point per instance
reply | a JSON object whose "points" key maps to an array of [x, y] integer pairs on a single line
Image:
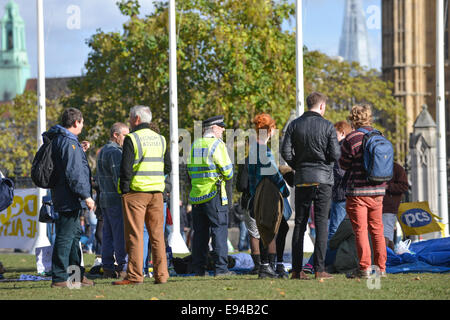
{"points": [[368, 158]]}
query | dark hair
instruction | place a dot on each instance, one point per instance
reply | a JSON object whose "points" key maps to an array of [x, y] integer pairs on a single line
{"points": [[315, 98], [69, 117]]}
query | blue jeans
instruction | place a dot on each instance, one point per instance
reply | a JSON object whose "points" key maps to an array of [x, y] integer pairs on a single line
{"points": [[147, 245], [243, 237], [92, 243], [337, 214], [113, 239]]}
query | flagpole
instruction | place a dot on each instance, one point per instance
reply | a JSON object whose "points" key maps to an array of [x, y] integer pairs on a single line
{"points": [[299, 58], [176, 242], [42, 239], [440, 115]]}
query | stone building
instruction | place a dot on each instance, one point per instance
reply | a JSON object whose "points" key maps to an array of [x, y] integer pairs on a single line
{"points": [[409, 55]]}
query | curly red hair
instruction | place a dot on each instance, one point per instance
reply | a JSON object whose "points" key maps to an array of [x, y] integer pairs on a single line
{"points": [[263, 121]]}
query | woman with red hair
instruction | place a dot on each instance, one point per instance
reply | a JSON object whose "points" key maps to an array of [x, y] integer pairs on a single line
{"points": [[262, 165]]}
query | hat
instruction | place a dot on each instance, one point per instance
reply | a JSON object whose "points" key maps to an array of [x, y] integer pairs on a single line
{"points": [[216, 120]]}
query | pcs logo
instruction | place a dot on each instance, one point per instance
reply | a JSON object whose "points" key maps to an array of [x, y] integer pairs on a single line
{"points": [[416, 218]]}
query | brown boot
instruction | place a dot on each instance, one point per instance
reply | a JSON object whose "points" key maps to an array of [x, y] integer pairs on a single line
{"points": [[125, 282], [87, 283], [299, 275], [323, 275], [62, 284]]}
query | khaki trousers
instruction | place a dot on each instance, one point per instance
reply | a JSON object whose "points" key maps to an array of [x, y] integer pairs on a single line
{"points": [[140, 208]]}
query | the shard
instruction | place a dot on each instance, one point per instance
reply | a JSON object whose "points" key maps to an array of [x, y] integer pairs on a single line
{"points": [[354, 42]]}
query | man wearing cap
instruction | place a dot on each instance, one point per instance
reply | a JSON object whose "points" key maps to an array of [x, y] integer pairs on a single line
{"points": [[209, 167]]}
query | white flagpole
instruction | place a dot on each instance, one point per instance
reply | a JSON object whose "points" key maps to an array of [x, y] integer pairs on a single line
{"points": [[440, 115], [42, 239], [299, 58], [176, 242]]}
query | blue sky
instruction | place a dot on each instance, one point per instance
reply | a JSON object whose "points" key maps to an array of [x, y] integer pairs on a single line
{"points": [[68, 23]]}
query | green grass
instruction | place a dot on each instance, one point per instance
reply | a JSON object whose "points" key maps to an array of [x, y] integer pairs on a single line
{"points": [[245, 287]]}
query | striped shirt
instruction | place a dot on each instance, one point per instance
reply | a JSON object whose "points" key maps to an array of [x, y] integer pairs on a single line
{"points": [[351, 160]]}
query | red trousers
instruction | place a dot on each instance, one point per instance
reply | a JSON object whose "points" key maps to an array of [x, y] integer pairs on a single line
{"points": [[365, 214]]}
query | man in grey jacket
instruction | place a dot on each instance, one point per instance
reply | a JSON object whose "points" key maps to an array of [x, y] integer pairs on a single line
{"points": [[310, 147], [108, 172]]}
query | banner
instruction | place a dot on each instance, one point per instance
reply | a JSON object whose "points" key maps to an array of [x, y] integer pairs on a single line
{"points": [[18, 223], [416, 218]]}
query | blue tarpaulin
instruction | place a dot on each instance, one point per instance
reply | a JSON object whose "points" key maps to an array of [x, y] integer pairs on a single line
{"points": [[428, 256]]}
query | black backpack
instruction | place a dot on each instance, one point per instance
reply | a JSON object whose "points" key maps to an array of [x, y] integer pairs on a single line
{"points": [[42, 169]]}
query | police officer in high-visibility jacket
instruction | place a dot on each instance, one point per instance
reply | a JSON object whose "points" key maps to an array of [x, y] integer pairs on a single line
{"points": [[145, 161], [208, 168]]}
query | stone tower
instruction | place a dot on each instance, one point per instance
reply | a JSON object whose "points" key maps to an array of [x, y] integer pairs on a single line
{"points": [[409, 56], [354, 42], [14, 67]]}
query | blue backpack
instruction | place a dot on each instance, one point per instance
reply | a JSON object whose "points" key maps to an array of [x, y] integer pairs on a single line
{"points": [[378, 156], [6, 193]]}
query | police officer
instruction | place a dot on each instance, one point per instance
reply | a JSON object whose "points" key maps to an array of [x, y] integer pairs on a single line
{"points": [[145, 161], [209, 167]]}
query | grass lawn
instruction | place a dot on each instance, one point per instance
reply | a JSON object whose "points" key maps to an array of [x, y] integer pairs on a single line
{"points": [[245, 287]]}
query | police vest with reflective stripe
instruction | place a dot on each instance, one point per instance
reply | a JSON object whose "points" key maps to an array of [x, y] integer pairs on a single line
{"points": [[148, 167], [205, 172]]}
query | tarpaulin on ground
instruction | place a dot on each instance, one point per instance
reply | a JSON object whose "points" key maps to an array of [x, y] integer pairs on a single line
{"points": [[427, 256]]}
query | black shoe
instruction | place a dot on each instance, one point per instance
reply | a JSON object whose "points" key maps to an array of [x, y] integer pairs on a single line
{"points": [[266, 271], [281, 271], [257, 262]]}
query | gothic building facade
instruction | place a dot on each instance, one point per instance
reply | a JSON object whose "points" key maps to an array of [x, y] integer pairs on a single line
{"points": [[409, 56]]}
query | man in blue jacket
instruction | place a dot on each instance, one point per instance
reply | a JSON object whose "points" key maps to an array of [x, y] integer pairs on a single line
{"points": [[73, 185]]}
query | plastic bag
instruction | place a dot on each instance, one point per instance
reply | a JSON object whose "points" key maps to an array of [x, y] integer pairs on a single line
{"points": [[403, 247]]}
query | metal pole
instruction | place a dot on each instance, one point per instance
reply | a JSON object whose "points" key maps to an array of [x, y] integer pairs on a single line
{"points": [[440, 115], [299, 58], [42, 239], [176, 242]]}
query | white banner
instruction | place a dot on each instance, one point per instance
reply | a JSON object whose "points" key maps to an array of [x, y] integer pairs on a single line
{"points": [[18, 223]]}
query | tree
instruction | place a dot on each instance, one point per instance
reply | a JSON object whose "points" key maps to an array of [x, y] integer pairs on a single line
{"points": [[19, 129], [234, 58]]}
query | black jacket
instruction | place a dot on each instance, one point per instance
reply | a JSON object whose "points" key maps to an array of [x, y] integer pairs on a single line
{"points": [[310, 147]]}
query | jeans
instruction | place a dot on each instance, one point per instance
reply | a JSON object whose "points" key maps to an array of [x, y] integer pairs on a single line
{"points": [[113, 243], [337, 214], [66, 249], [244, 239], [92, 243], [304, 196]]}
